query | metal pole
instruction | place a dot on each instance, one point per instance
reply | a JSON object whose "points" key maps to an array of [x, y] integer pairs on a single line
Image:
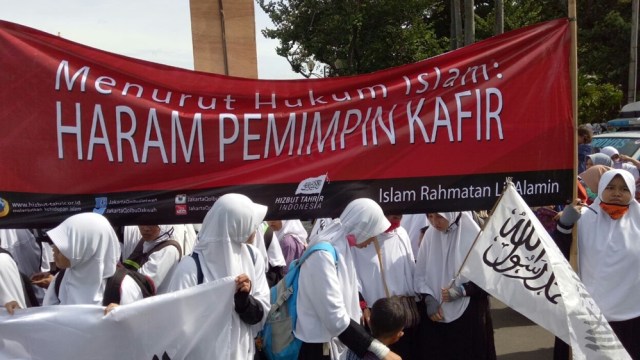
{"points": [[633, 56]]}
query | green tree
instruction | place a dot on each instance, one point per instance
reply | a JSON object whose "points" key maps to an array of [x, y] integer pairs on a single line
{"points": [[347, 37]]}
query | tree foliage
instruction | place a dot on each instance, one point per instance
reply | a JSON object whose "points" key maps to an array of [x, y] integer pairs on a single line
{"points": [[348, 37]]}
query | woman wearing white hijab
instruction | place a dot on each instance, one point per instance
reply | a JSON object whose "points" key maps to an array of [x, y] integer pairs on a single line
{"points": [[327, 304], [292, 237], [621, 161], [87, 248], [458, 324], [222, 251], [395, 277], [155, 255], [609, 253]]}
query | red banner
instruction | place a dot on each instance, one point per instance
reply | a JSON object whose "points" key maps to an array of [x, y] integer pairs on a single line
{"points": [[84, 129]]}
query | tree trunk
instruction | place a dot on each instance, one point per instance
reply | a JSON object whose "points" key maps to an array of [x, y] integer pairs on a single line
{"points": [[469, 23], [499, 28], [456, 19]]}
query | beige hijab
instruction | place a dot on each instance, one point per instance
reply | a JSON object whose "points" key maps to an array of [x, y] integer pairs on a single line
{"points": [[592, 176]]}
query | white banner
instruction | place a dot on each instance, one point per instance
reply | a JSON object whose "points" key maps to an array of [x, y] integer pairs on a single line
{"points": [[188, 324], [516, 261]]}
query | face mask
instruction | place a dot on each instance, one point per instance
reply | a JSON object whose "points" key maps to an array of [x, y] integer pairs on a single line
{"points": [[394, 225], [614, 211], [351, 239]]}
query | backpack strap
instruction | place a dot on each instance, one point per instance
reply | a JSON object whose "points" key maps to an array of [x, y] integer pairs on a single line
{"points": [[113, 289], [138, 258], [322, 245], [58, 281], [133, 261], [253, 255], [199, 273]]}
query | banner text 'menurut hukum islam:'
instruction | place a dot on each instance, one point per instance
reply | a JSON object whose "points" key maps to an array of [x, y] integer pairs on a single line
{"points": [[365, 117]]}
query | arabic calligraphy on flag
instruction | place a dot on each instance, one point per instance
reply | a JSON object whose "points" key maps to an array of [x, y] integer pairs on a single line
{"points": [[515, 260], [312, 185]]}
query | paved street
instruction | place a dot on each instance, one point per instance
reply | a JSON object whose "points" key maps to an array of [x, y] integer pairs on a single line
{"points": [[518, 338]]}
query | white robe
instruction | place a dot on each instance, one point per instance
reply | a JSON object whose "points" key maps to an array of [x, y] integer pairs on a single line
{"points": [[328, 297], [609, 255], [398, 265], [440, 257], [222, 253], [10, 283]]}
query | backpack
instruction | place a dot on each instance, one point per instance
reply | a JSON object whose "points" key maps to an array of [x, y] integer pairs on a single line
{"points": [[279, 342], [139, 258], [112, 288], [29, 294]]}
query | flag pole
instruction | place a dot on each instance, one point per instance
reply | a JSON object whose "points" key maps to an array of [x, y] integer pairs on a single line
{"points": [[573, 71], [507, 184], [573, 64]]}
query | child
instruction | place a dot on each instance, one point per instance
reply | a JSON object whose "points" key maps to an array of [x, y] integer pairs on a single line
{"points": [[387, 322]]}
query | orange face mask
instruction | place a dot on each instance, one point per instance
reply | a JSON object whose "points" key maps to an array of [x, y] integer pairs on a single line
{"points": [[615, 211]]}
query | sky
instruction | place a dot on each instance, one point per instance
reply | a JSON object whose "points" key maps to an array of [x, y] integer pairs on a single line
{"points": [[153, 30]]}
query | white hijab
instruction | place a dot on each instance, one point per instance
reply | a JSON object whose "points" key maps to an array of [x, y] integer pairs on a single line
{"points": [[92, 247], [272, 256], [10, 284], [608, 249], [222, 252], [23, 247], [413, 223], [226, 227], [166, 233], [362, 218], [440, 256], [295, 228]]}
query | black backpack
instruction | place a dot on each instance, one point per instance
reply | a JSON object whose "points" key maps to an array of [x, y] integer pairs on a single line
{"points": [[29, 294], [112, 289], [139, 258]]}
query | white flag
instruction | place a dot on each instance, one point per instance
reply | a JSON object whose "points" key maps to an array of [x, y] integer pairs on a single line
{"points": [[515, 260], [311, 185], [186, 324]]}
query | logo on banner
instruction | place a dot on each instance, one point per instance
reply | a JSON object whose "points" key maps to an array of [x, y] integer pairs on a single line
{"points": [[181, 204], [311, 185], [308, 195], [101, 205], [4, 207]]}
